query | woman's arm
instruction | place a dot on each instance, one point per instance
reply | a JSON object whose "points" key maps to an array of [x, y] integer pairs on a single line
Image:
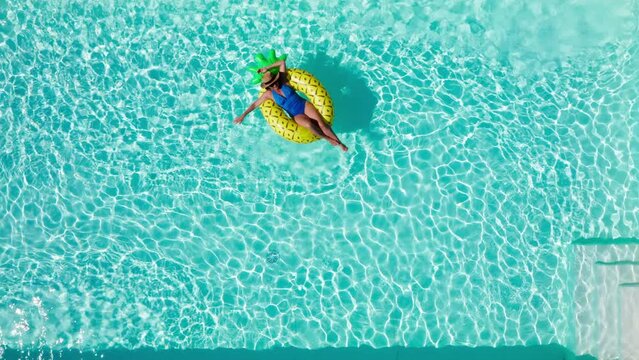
{"points": [[280, 63], [267, 95]]}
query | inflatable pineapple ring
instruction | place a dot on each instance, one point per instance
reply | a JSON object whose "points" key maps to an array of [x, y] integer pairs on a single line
{"points": [[302, 82]]}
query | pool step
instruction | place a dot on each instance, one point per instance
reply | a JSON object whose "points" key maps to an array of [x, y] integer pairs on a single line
{"points": [[629, 322], [606, 241], [599, 269]]}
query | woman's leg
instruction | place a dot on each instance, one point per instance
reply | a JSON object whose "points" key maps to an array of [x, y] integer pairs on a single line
{"points": [[311, 112], [305, 121]]}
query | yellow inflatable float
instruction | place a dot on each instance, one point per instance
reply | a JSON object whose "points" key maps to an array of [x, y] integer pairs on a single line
{"points": [[303, 82]]}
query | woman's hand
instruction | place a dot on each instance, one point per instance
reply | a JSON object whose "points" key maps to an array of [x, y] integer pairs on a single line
{"points": [[266, 95], [280, 63]]}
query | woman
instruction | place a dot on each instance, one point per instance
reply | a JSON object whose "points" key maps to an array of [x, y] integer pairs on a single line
{"points": [[303, 112]]}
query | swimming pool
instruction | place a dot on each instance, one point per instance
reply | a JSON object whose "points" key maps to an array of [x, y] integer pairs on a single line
{"points": [[485, 138]]}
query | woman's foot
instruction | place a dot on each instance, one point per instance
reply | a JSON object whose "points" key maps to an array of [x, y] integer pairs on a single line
{"points": [[336, 142]]}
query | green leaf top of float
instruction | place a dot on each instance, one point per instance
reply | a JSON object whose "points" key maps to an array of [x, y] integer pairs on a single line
{"points": [[262, 60]]}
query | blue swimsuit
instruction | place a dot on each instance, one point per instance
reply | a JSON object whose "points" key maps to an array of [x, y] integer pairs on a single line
{"points": [[291, 102]]}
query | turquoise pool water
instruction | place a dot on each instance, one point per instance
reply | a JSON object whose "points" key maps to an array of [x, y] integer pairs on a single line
{"points": [[485, 136]]}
